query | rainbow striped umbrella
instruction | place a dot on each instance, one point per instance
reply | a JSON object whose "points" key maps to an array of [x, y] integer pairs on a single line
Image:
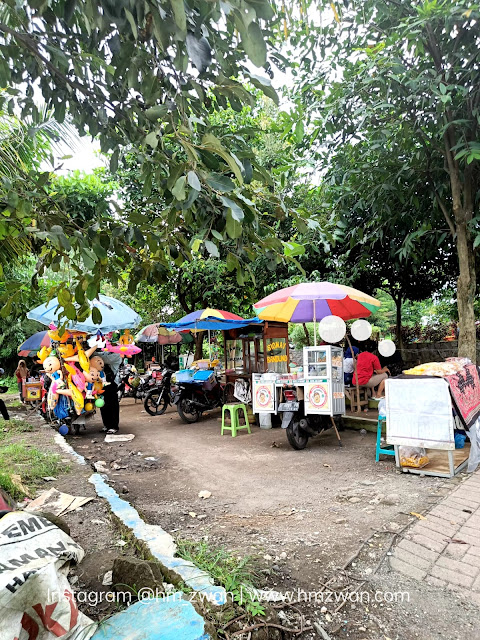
{"points": [[312, 301], [208, 313]]}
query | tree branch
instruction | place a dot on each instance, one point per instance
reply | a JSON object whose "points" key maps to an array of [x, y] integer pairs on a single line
{"points": [[448, 218]]}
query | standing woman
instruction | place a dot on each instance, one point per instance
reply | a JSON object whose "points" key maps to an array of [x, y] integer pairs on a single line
{"points": [[22, 375], [111, 409]]}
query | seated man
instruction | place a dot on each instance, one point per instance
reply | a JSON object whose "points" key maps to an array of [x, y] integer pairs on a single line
{"points": [[370, 373]]}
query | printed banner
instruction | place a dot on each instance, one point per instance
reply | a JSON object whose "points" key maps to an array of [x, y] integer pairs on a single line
{"points": [[264, 397], [316, 398]]}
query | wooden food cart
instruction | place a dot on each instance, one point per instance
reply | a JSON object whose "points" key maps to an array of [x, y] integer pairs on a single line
{"points": [[259, 347]]}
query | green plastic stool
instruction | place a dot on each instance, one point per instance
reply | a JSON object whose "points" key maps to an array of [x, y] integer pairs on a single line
{"points": [[234, 410]]}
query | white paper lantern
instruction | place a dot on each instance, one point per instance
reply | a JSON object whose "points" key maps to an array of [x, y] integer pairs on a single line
{"points": [[332, 329], [361, 330], [387, 348]]}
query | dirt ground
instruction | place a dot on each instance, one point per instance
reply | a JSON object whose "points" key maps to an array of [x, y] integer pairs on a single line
{"points": [[303, 513]]}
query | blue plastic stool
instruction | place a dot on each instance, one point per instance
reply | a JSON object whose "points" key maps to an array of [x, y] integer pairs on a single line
{"points": [[379, 451]]}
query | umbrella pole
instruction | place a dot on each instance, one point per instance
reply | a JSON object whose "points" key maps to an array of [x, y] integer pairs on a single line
{"points": [[209, 346], [314, 323], [356, 376]]}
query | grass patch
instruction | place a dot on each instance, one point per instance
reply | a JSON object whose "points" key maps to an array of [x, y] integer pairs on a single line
{"points": [[238, 574], [14, 426], [27, 461], [11, 383]]}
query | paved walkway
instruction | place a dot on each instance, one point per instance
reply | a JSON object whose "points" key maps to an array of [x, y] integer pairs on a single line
{"points": [[432, 550]]}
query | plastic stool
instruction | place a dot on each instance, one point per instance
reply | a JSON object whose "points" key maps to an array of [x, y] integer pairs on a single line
{"points": [[379, 451], [235, 426]]}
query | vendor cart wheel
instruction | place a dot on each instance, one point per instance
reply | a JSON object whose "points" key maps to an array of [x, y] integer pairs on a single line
{"points": [[297, 439], [156, 403], [186, 412]]}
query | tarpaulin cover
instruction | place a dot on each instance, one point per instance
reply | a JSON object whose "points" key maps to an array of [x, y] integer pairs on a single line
{"points": [[212, 324]]}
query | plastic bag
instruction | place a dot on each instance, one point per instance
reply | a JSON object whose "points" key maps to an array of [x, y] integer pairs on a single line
{"points": [[382, 408], [415, 457]]}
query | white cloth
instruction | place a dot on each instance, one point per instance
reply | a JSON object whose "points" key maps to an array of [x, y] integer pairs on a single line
{"points": [[348, 366], [242, 391]]}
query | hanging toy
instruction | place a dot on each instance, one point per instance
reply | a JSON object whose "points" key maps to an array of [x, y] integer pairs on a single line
{"points": [[76, 395], [66, 350], [78, 378], [92, 377], [52, 367], [127, 350], [126, 338], [44, 353]]}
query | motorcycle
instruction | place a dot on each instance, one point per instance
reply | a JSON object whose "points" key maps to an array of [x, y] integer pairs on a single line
{"points": [[300, 427], [132, 384], [194, 398], [161, 396]]}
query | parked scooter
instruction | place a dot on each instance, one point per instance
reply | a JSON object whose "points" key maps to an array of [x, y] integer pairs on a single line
{"points": [[132, 384], [194, 398], [161, 396]]}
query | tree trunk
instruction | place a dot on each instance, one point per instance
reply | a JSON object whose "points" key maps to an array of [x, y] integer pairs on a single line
{"points": [[307, 334], [199, 345], [398, 329], [466, 289]]}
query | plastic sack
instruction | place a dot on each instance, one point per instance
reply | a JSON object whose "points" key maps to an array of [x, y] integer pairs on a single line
{"points": [[474, 457], [415, 457]]}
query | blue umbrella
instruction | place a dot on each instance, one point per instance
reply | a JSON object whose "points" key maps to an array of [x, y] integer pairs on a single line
{"points": [[115, 315]]}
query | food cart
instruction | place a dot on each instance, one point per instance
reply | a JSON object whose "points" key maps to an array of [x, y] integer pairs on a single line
{"points": [[258, 347], [308, 398]]}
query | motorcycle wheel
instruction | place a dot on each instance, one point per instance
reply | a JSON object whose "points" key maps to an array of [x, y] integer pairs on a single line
{"points": [[229, 393], [297, 439], [187, 413], [156, 403]]}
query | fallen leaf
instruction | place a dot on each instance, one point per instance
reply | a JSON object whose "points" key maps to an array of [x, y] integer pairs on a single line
{"points": [[455, 541], [327, 465], [417, 515], [204, 494], [17, 481], [192, 514]]}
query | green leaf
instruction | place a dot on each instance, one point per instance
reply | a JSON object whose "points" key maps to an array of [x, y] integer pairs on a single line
{"points": [[254, 44], [212, 248], [193, 181], [91, 291], [232, 261], [151, 139], [132, 23], [220, 183], [179, 189], [155, 113], [179, 14], [96, 316], [234, 228], [291, 249], [70, 311], [237, 212], [216, 235], [476, 242], [299, 131], [64, 297]]}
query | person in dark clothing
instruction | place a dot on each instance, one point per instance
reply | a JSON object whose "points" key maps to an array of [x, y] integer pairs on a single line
{"points": [[3, 406], [111, 409]]}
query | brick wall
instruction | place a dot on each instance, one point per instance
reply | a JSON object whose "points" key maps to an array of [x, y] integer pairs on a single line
{"points": [[420, 352]]}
